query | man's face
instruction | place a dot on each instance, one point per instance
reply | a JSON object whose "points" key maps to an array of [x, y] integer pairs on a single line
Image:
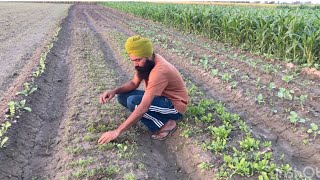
{"points": [[142, 65]]}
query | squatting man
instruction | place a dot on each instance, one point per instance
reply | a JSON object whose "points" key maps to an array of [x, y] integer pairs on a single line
{"points": [[165, 97]]}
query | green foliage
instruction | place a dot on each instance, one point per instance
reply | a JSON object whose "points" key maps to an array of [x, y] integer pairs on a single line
{"points": [[314, 129], [219, 132], [4, 128], [249, 144], [294, 118], [260, 99], [284, 93], [287, 34], [28, 89], [287, 78]]}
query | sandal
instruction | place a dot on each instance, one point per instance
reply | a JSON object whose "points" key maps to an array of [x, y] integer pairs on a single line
{"points": [[169, 132]]}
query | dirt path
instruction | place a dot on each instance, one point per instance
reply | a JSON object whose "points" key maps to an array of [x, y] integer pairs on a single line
{"points": [[57, 140]]}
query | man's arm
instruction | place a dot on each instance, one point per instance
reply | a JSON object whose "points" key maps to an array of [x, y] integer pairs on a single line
{"points": [[129, 86], [132, 119]]}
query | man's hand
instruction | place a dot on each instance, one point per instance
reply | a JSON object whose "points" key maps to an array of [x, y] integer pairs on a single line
{"points": [[108, 136], [107, 96]]}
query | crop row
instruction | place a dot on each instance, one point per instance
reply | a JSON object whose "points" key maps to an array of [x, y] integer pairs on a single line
{"points": [[264, 93], [287, 34], [15, 108], [226, 136]]}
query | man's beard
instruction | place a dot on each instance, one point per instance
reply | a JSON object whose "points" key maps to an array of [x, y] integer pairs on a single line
{"points": [[144, 71]]}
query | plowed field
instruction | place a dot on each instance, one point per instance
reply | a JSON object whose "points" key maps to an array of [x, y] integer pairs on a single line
{"points": [[58, 138]]}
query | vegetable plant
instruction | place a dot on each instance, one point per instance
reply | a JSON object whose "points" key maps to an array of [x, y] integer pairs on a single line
{"points": [[294, 118], [314, 129]]}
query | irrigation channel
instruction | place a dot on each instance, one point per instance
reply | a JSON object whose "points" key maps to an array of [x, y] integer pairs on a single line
{"points": [[58, 139]]}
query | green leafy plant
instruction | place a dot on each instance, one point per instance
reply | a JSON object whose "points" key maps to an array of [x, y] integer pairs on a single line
{"points": [[205, 166], [221, 131], [28, 89], [284, 93], [249, 144], [215, 72], [271, 86], [287, 78], [12, 109], [314, 129], [226, 77], [207, 118], [217, 145], [22, 106], [294, 118], [302, 99], [260, 99], [4, 128]]}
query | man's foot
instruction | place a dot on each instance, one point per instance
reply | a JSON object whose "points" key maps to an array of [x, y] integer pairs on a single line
{"points": [[165, 131]]}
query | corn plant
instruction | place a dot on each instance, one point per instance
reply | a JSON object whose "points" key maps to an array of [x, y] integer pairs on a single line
{"points": [[287, 34]]}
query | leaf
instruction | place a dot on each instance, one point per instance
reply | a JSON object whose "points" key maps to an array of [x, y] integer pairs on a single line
{"points": [[314, 127], [3, 141], [27, 109]]}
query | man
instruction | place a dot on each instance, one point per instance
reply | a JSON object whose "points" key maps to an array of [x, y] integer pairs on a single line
{"points": [[165, 97]]}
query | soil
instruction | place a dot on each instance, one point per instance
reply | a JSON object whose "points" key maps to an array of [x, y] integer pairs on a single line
{"points": [[66, 100]]}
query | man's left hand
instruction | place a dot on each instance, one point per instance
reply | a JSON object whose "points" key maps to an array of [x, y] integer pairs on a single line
{"points": [[108, 136]]}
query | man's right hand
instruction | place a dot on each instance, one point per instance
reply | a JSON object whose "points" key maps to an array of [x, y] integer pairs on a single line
{"points": [[107, 96]]}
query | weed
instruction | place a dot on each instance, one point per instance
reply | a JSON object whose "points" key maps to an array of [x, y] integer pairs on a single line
{"points": [[226, 77], [214, 72]]}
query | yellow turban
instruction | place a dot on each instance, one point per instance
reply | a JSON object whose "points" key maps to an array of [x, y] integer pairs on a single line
{"points": [[138, 46]]}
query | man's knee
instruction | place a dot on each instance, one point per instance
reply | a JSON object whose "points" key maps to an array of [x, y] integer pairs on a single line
{"points": [[132, 102], [122, 99]]}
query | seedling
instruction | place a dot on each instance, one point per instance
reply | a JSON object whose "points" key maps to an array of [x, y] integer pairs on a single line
{"points": [[28, 89], [205, 62], [287, 78], [205, 166], [271, 86], [284, 93], [207, 118], [226, 77], [219, 132], [294, 118], [217, 145], [12, 109], [314, 130], [302, 99], [214, 72], [249, 144], [260, 99], [4, 127]]}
